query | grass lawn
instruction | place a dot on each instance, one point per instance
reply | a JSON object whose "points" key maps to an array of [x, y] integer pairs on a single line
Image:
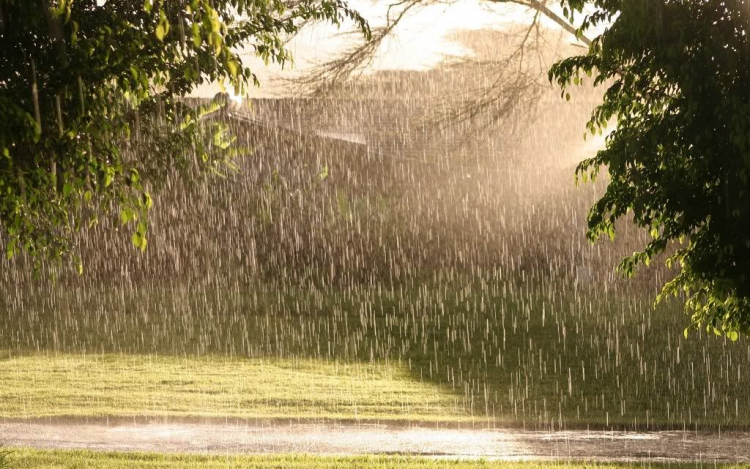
{"points": [[522, 355], [44, 459], [137, 385]]}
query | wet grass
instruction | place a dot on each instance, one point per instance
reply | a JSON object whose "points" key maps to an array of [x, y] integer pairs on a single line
{"points": [[493, 351], [4, 459], [74, 385], [48, 459]]}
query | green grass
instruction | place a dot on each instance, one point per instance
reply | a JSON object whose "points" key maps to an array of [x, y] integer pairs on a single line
{"points": [[45, 459], [135, 385], [5, 459], [525, 354]]}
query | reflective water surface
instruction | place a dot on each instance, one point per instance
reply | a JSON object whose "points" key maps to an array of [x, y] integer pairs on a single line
{"points": [[378, 439]]}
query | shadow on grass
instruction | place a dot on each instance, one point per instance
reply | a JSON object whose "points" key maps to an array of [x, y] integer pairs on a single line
{"points": [[523, 354]]}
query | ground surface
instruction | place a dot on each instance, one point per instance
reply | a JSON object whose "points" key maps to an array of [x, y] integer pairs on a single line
{"points": [[86, 459], [125, 385], [34, 385], [313, 439]]}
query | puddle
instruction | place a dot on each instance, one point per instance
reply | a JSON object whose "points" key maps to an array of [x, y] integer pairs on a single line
{"points": [[355, 439]]}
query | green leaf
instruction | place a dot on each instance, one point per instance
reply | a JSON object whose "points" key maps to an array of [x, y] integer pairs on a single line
{"points": [[197, 39], [126, 215], [217, 41], [109, 176], [162, 29], [74, 33], [148, 5], [60, 10], [137, 239], [232, 66]]}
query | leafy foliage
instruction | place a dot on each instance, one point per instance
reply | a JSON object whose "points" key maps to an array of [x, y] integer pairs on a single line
{"points": [[90, 112], [678, 78]]}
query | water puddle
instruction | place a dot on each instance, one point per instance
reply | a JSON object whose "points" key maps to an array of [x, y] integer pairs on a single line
{"points": [[322, 439]]}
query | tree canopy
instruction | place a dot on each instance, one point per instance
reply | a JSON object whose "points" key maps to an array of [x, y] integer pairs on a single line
{"points": [[91, 110], [677, 74]]}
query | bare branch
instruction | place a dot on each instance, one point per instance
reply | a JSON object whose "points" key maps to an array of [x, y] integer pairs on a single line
{"points": [[541, 7], [510, 79], [332, 75]]}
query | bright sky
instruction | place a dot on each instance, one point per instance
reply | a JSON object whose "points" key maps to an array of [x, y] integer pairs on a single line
{"points": [[420, 42]]}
